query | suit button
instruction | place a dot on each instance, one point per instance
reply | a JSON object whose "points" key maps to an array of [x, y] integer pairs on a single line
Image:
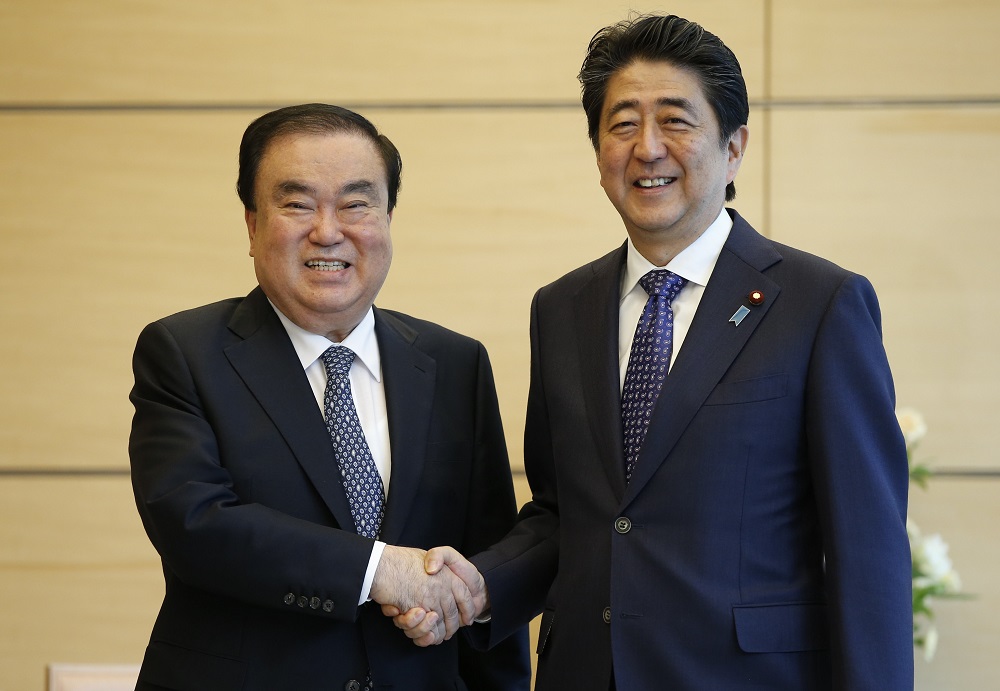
{"points": [[607, 615], [623, 525], [290, 599], [352, 685], [314, 603], [302, 601], [328, 606]]}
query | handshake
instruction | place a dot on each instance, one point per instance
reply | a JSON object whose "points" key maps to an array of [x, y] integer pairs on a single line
{"points": [[429, 595]]}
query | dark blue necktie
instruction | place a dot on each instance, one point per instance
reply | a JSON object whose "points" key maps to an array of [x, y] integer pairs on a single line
{"points": [[648, 361], [362, 482]]}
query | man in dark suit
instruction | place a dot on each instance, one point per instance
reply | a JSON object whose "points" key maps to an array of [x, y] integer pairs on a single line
{"points": [[719, 482], [294, 450]]}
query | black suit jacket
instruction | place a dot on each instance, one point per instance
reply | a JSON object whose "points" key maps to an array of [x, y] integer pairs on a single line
{"points": [[761, 542], [238, 489]]}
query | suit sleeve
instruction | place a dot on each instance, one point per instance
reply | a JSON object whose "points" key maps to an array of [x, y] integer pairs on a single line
{"points": [[858, 461], [507, 666], [204, 532], [519, 570]]}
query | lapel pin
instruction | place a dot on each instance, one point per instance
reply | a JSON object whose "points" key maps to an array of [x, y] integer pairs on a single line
{"points": [[742, 312], [755, 297]]}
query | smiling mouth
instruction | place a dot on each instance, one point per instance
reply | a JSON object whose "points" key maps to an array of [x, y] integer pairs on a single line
{"points": [[320, 265], [653, 182]]}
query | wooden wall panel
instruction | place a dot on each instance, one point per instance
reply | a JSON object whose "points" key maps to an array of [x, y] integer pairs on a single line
{"points": [[269, 51], [109, 221], [964, 512], [900, 196], [886, 49], [78, 578]]}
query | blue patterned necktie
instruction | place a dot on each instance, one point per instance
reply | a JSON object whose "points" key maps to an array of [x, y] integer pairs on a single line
{"points": [[362, 482], [648, 361]]}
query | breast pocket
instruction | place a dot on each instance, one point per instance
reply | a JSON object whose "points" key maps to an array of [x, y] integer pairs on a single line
{"points": [[749, 390]]}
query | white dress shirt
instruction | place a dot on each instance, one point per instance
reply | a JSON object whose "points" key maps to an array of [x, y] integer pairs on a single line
{"points": [[695, 263], [367, 390]]}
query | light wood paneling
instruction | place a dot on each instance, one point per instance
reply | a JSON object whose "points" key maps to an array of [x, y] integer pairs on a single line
{"points": [[78, 578], [885, 49], [109, 221], [900, 196], [965, 513], [116, 220], [269, 51]]}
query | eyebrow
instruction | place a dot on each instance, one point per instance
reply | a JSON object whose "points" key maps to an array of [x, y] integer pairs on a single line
{"points": [[353, 187], [292, 187], [675, 102], [361, 186]]}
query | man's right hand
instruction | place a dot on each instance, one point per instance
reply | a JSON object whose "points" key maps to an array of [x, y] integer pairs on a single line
{"points": [[420, 624], [439, 600]]}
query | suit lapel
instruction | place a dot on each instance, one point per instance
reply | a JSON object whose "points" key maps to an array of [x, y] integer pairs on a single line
{"points": [[265, 359], [408, 376], [712, 343], [596, 316]]}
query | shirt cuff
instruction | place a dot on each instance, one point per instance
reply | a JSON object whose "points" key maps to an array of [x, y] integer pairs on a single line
{"points": [[366, 587]]}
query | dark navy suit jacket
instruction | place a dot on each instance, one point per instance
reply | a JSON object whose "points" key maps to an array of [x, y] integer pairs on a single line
{"points": [[761, 542], [238, 489]]}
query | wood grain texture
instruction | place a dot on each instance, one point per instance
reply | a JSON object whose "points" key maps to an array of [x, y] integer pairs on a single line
{"points": [[347, 52], [885, 50], [964, 512], [901, 195], [79, 580]]}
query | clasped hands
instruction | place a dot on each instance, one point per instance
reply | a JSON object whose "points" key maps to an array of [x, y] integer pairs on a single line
{"points": [[429, 595]]}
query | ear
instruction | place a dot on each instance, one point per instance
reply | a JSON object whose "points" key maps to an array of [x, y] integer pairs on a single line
{"points": [[736, 147], [251, 219], [390, 216]]}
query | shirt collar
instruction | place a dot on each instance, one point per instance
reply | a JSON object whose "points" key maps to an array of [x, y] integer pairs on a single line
{"points": [[309, 346], [694, 263]]}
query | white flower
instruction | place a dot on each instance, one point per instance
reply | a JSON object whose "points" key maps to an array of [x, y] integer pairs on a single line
{"points": [[951, 582], [930, 642], [912, 424], [932, 556]]}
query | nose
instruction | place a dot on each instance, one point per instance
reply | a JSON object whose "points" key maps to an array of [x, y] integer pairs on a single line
{"points": [[326, 229], [651, 145]]}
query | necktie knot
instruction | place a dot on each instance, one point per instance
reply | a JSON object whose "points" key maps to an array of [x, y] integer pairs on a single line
{"points": [[662, 283], [338, 361]]}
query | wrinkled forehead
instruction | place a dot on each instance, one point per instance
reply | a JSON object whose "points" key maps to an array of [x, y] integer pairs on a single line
{"points": [[334, 152]]}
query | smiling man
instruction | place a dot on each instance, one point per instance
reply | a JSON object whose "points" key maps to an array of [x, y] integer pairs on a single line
{"points": [[281, 440], [718, 480]]}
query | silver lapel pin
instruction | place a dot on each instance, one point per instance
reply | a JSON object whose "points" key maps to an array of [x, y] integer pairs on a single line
{"points": [[742, 312]]}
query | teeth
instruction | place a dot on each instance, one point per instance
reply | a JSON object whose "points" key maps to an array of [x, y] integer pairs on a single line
{"points": [[326, 266], [654, 182]]}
